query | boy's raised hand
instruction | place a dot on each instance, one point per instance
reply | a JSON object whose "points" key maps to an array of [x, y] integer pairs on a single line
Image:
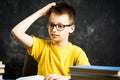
{"points": [[19, 31], [47, 7]]}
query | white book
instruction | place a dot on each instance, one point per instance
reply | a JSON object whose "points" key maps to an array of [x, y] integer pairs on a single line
{"points": [[34, 77], [2, 66], [0, 62], [1, 77], [2, 71]]}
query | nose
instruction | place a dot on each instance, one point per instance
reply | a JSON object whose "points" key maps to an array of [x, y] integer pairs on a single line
{"points": [[54, 28]]}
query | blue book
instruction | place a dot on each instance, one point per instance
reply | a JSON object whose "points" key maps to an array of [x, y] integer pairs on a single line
{"points": [[92, 77], [96, 70]]}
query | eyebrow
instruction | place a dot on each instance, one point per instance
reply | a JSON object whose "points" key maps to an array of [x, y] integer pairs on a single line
{"points": [[54, 23]]}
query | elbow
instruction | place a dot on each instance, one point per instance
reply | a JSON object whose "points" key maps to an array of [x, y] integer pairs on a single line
{"points": [[13, 32]]}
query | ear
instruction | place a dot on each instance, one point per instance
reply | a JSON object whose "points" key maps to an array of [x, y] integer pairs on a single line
{"points": [[72, 28]]}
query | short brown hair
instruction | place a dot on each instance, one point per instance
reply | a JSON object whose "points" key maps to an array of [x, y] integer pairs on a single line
{"points": [[63, 8]]}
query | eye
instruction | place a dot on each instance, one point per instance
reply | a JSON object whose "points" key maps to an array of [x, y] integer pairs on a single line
{"points": [[52, 25], [60, 26]]}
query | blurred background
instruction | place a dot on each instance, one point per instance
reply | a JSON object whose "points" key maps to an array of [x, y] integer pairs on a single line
{"points": [[97, 31]]}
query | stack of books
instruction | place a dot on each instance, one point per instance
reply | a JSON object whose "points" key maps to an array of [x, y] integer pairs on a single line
{"points": [[2, 70], [94, 72]]}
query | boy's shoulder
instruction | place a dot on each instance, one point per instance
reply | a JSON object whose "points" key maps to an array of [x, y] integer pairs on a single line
{"points": [[76, 47]]}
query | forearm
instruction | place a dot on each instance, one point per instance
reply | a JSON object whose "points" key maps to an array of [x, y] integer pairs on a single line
{"points": [[19, 31], [26, 23]]}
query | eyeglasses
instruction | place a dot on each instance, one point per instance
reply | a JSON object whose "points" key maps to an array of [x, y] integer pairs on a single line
{"points": [[59, 27]]}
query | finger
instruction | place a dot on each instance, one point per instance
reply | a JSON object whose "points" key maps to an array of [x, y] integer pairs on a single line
{"points": [[52, 4], [51, 77], [47, 7]]}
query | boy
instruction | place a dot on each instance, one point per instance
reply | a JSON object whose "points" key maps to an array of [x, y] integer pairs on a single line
{"points": [[54, 56]]}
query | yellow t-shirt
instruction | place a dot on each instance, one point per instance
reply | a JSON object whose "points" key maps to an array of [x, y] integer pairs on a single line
{"points": [[56, 60]]}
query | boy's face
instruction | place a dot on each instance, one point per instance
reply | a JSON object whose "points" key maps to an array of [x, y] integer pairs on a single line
{"points": [[56, 34]]}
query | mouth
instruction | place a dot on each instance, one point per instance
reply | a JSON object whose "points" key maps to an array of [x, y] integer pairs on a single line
{"points": [[54, 35]]}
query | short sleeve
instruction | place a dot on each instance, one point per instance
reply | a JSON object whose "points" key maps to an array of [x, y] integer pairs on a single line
{"points": [[37, 47], [81, 57]]}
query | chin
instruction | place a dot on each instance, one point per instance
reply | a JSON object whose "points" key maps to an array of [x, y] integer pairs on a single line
{"points": [[56, 40]]}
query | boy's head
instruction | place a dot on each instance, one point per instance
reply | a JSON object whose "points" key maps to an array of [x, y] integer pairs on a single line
{"points": [[61, 22], [63, 8]]}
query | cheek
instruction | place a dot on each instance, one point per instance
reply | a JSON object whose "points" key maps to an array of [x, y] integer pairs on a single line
{"points": [[67, 30], [65, 34]]}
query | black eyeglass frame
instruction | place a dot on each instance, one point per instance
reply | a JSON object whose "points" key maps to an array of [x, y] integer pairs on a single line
{"points": [[51, 26]]}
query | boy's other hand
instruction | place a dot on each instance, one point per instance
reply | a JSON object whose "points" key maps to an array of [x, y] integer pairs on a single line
{"points": [[56, 77]]}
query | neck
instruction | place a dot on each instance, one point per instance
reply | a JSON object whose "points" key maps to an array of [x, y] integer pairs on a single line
{"points": [[60, 44]]}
